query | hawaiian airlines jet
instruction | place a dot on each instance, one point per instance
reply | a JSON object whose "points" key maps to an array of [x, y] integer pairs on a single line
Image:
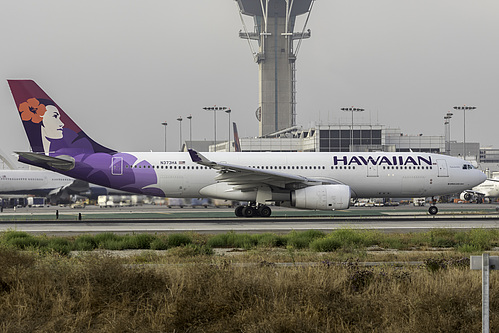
{"points": [[319, 181]]}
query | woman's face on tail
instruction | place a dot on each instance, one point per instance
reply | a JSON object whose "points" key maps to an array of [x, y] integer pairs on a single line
{"points": [[52, 123]]}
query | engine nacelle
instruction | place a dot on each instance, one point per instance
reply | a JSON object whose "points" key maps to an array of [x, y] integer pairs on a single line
{"points": [[466, 196], [226, 191], [322, 197]]}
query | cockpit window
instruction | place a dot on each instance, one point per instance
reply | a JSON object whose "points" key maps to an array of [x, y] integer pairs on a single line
{"points": [[467, 166]]}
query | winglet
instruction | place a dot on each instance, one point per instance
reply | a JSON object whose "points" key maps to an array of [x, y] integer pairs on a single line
{"points": [[200, 159], [194, 156]]}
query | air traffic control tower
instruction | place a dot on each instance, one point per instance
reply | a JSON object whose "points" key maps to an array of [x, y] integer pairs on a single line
{"points": [[274, 24]]}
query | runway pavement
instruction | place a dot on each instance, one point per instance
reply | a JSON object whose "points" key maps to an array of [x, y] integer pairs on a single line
{"points": [[158, 219]]}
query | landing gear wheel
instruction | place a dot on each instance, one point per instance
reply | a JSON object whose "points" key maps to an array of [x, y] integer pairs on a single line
{"points": [[249, 211], [264, 211], [239, 211], [433, 210]]}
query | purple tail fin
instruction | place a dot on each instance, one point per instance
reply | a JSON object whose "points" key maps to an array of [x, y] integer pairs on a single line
{"points": [[237, 144], [48, 127]]}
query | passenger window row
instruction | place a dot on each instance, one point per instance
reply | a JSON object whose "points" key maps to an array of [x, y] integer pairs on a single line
{"points": [[31, 179], [288, 167], [343, 167], [254, 167], [409, 167], [336, 167]]}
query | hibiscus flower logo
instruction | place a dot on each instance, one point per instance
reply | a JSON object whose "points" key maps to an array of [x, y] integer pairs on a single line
{"points": [[32, 110]]}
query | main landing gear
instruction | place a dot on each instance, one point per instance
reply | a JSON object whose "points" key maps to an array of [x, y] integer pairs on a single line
{"points": [[253, 210]]}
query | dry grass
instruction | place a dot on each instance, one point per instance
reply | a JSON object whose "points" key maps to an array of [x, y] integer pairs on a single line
{"points": [[90, 293]]}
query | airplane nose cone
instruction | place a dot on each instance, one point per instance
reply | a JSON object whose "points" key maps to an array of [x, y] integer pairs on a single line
{"points": [[481, 177]]}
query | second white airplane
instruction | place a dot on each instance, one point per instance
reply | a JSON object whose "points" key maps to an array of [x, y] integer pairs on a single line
{"points": [[487, 189], [318, 181]]}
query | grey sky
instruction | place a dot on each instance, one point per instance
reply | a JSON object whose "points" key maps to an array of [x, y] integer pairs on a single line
{"points": [[120, 68]]}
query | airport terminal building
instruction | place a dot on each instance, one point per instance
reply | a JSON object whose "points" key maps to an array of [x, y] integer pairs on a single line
{"points": [[360, 138], [339, 138]]}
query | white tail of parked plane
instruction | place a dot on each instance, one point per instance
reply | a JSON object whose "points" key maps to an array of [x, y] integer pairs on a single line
{"points": [[6, 161]]}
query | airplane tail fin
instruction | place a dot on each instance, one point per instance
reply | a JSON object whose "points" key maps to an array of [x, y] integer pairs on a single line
{"points": [[49, 129], [237, 144], [6, 161]]}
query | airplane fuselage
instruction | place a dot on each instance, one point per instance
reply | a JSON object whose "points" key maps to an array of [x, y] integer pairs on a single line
{"points": [[36, 182], [367, 174], [489, 188]]}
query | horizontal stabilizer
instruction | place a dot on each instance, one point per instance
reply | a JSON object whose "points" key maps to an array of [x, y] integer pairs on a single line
{"points": [[62, 162]]}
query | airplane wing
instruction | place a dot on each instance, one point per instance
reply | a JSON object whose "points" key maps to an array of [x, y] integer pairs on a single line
{"points": [[245, 178], [472, 192], [62, 194], [75, 187]]}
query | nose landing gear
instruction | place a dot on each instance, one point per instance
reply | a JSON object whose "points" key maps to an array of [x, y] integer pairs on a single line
{"points": [[433, 210]]}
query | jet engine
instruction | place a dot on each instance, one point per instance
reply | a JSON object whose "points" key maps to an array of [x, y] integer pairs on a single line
{"points": [[322, 197], [472, 196], [467, 196]]}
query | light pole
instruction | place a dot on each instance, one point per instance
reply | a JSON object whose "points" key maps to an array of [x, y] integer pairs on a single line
{"points": [[447, 119], [215, 109], [190, 129], [164, 124], [228, 111], [464, 108], [180, 127], [352, 109]]}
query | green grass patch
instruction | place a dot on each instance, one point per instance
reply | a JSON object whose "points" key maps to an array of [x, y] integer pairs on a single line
{"points": [[179, 240], [232, 239], [159, 244], [302, 240], [470, 241], [269, 240], [84, 243]]}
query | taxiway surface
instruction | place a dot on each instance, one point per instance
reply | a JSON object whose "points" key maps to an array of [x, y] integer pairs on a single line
{"points": [[157, 219]]}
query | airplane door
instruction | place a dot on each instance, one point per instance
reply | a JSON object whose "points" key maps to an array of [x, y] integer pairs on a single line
{"points": [[442, 168], [117, 166], [372, 170]]}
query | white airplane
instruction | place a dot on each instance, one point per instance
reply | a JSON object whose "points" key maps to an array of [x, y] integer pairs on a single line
{"points": [[40, 183], [318, 181], [487, 189], [55, 186]]}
